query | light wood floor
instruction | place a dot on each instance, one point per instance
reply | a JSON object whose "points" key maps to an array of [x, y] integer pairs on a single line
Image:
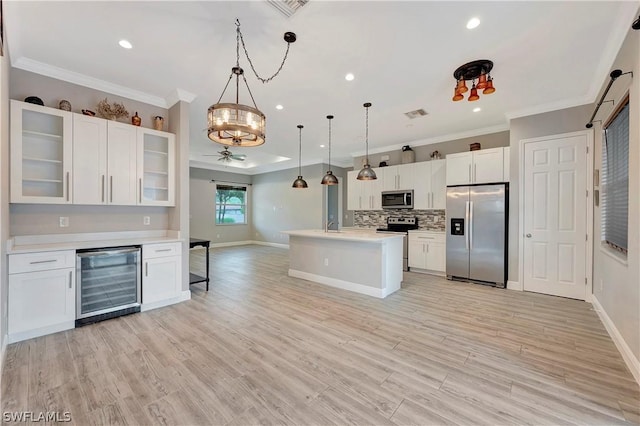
{"points": [[263, 348]]}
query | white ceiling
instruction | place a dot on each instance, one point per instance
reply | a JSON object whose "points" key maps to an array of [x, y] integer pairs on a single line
{"points": [[547, 55]]}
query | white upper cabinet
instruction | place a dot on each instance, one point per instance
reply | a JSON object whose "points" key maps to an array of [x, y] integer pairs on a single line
{"points": [[90, 159], [59, 157], [121, 164], [105, 167], [397, 177], [488, 165], [438, 184], [156, 168], [429, 186], [41, 156], [482, 166], [459, 168], [364, 195]]}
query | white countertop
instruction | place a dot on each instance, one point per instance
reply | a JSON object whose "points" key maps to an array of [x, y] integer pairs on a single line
{"points": [[37, 243], [362, 235]]}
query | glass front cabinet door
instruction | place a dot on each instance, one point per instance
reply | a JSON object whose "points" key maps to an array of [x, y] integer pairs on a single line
{"points": [[156, 168], [41, 154]]}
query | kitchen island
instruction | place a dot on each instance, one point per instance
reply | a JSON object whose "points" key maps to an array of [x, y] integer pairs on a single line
{"points": [[356, 260]]}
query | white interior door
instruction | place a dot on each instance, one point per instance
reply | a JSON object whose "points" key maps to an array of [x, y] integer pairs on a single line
{"points": [[555, 216]]}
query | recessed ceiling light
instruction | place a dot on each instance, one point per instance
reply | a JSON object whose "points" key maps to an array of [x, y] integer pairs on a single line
{"points": [[477, 109], [125, 43], [349, 77], [473, 22], [279, 107], [321, 146]]}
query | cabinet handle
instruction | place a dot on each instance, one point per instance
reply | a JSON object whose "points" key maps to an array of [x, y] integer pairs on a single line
{"points": [[67, 186], [140, 180], [111, 189], [158, 251], [423, 248], [146, 269], [469, 172], [70, 279], [103, 188], [427, 247], [475, 166], [43, 261]]}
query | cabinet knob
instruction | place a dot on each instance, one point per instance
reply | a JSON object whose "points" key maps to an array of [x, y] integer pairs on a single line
{"points": [[528, 235]]}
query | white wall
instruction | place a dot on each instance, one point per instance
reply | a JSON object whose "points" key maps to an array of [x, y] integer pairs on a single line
{"points": [[279, 207], [179, 215], [617, 283], [4, 197], [203, 207]]}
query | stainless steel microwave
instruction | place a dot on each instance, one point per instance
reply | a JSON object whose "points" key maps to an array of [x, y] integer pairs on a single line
{"points": [[397, 199]]}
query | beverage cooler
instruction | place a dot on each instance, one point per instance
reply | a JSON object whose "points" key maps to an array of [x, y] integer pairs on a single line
{"points": [[108, 283]]}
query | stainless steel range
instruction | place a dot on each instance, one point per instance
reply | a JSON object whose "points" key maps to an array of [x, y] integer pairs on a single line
{"points": [[401, 225]]}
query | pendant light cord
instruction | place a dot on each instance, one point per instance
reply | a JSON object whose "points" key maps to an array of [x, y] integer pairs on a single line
{"points": [[300, 152], [330, 142], [264, 80], [366, 139]]}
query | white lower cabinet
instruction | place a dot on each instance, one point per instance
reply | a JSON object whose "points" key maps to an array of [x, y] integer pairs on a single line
{"points": [[42, 294], [161, 275], [427, 251]]}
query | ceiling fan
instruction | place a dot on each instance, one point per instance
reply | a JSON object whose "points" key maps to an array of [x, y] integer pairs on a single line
{"points": [[226, 155]]}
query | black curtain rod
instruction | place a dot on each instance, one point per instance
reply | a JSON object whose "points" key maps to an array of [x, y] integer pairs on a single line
{"points": [[226, 181], [614, 75]]}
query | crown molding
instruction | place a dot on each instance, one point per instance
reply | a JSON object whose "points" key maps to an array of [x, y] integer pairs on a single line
{"points": [[37, 67], [554, 106], [179, 95]]}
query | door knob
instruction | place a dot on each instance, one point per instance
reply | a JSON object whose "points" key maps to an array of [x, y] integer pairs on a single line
{"points": [[528, 235]]}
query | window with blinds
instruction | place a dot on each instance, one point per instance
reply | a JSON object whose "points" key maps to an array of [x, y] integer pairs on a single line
{"points": [[614, 205]]}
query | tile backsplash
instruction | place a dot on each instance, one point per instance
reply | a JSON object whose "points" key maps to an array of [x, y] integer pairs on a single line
{"points": [[428, 220]]}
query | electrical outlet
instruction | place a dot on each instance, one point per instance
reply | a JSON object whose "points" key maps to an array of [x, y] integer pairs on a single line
{"points": [[146, 220], [326, 261], [64, 221]]}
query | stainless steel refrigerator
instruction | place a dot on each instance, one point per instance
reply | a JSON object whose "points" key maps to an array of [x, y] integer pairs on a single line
{"points": [[477, 221]]}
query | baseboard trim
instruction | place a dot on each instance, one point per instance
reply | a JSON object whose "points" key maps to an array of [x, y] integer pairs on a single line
{"points": [[231, 244], [3, 352], [341, 284], [42, 331], [627, 355], [185, 295], [428, 272], [514, 285], [266, 243], [249, 242]]}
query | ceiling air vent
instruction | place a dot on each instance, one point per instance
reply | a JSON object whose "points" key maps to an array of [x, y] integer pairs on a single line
{"points": [[415, 114], [287, 7]]}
